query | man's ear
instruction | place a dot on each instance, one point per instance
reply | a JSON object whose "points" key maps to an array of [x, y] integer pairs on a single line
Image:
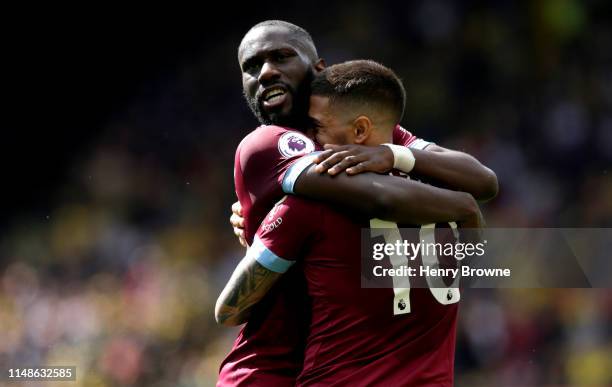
{"points": [[320, 65], [362, 129]]}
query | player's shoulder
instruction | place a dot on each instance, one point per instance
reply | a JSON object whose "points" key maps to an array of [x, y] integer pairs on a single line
{"points": [[265, 130], [402, 136], [286, 141]]}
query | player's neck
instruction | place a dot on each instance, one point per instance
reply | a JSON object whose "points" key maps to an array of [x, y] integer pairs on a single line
{"points": [[375, 140]]}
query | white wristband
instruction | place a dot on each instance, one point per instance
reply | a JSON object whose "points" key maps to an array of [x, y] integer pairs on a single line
{"points": [[403, 159]]}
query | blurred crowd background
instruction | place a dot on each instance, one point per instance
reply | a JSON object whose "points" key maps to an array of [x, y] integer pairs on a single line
{"points": [[117, 268]]}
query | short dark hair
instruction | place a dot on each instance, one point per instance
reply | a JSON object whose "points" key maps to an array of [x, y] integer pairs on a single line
{"points": [[300, 35], [362, 82]]}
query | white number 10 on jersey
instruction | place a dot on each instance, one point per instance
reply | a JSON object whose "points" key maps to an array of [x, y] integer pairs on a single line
{"points": [[401, 284]]}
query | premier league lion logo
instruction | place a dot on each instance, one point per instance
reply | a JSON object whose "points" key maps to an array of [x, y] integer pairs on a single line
{"points": [[293, 143], [296, 144]]}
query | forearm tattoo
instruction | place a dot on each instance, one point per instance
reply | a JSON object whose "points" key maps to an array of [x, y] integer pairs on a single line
{"points": [[249, 284]]}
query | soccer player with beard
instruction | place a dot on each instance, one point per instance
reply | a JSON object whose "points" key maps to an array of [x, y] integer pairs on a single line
{"points": [[278, 61], [390, 337]]}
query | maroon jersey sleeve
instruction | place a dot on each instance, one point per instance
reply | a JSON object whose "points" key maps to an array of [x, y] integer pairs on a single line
{"points": [[403, 137], [285, 230], [262, 158]]}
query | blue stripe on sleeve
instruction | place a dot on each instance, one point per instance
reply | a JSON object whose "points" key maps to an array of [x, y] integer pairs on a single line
{"points": [[267, 258], [294, 171]]}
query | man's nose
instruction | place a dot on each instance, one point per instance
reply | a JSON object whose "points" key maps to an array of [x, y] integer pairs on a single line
{"points": [[268, 73]]}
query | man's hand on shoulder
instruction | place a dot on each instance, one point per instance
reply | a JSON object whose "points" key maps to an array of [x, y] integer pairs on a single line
{"points": [[442, 167], [354, 159]]}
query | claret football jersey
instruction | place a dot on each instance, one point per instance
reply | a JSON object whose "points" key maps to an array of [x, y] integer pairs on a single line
{"points": [[269, 349], [357, 336]]}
